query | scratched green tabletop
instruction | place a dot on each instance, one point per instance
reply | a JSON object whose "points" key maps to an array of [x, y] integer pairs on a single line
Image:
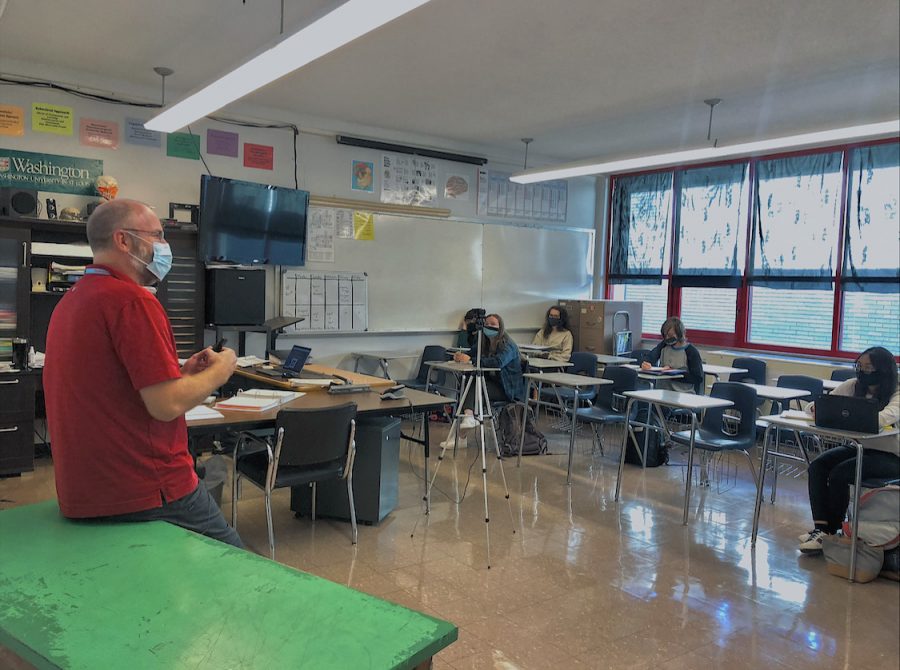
{"points": [[76, 595]]}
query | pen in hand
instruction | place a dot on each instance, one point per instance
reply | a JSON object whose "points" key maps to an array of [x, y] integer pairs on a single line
{"points": [[218, 345]]}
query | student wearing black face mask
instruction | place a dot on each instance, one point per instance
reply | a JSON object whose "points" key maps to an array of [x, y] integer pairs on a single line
{"points": [[675, 353], [556, 334], [832, 473]]}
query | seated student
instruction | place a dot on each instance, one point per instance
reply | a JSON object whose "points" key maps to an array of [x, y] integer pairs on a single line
{"points": [[831, 474], [497, 351], [465, 337], [675, 353], [556, 334]]}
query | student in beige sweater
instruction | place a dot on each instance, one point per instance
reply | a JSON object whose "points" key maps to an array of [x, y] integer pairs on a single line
{"points": [[556, 334]]}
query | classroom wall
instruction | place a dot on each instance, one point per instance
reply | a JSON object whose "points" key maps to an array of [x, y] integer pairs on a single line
{"points": [[147, 174]]}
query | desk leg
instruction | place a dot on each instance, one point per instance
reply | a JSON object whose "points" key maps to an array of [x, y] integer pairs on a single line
{"points": [[761, 480], [356, 364], [854, 522], [690, 470], [572, 435], [524, 420], [625, 435]]}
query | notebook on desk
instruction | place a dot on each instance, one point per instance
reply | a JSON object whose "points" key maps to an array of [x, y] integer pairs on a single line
{"points": [[843, 412], [292, 368]]}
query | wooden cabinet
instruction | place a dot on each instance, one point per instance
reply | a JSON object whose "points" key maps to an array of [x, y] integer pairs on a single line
{"points": [[16, 422], [602, 326]]}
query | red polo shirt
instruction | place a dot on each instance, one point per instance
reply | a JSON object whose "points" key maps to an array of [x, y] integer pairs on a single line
{"points": [[108, 338]]}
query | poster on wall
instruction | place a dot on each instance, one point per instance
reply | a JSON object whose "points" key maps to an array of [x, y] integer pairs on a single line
{"points": [[361, 176], [259, 156], [12, 121], [221, 143], [363, 226], [320, 235], [183, 145], [48, 172], [456, 187], [97, 133], [55, 119], [408, 180], [135, 133]]}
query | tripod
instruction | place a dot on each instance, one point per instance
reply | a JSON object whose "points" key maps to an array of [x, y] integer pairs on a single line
{"points": [[482, 412]]}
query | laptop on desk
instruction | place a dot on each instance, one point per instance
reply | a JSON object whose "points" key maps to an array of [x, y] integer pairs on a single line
{"points": [[851, 413], [292, 368]]}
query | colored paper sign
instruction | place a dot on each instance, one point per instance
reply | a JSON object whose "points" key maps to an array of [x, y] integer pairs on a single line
{"points": [[96, 133], [183, 145], [12, 120], [54, 119], [363, 226], [135, 133], [48, 172], [361, 176], [259, 156], [221, 143]]}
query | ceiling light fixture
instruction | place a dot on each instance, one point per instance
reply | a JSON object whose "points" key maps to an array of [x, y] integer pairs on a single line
{"points": [[342, 25], [806, 140]]}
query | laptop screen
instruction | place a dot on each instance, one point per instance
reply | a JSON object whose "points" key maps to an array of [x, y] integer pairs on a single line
{"points": [[296, 359]]}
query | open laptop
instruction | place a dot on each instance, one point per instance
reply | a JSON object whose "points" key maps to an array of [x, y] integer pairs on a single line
{"points": [[293, 366], [843, 412]]}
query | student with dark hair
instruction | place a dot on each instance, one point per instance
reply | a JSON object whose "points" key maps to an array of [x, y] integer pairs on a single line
{"points": [[556, 334], [831, 474], [465, 335], [676, 353]]}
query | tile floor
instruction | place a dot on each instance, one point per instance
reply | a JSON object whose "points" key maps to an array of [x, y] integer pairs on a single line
{"points": [[584, 582]]}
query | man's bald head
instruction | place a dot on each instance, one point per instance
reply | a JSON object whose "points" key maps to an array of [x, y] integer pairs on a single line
{"points": [[112, 216]]}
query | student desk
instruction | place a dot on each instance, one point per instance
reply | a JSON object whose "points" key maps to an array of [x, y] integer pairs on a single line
{"points": [[152, 595], [854, 439], [607, 359], [653, 377], [383, 358], [716, 370], [830, 384], [564, 380], [676, 400]]}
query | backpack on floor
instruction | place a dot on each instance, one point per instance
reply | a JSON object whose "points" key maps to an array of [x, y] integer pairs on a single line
{"points": [[879, 516], [657, 450], [509, 432]]}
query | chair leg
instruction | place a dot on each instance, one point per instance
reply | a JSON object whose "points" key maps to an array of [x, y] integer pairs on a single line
{"points": [[269, 524], [354, 534], [752, 469], [313, 503]]}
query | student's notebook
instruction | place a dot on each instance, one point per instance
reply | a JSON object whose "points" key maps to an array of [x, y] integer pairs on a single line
{"points": [[258, 400]]}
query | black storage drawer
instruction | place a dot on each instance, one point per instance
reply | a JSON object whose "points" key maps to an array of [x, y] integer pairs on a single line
{"points": [[16, 395], [16, 446]]}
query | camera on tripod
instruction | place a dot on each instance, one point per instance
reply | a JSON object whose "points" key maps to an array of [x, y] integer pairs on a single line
{"points": [[477, 316]]}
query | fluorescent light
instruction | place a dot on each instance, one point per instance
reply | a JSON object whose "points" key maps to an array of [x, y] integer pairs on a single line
{"points": [[340, 26], [594, 167]]}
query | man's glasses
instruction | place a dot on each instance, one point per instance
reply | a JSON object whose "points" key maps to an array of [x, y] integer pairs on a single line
{"points": [[157, 235]]}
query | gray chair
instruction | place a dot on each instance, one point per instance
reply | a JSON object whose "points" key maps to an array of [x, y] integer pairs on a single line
{"points": [[310, 445]]}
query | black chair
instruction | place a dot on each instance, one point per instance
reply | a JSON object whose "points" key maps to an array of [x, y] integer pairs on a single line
{"points": [[843, 374], [609, 406], [756, 371], [311, 445], [727, 428], [432, 352], [639, 354], [813, 385]]}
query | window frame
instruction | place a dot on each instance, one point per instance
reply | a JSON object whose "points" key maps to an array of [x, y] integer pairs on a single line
{"points": [[743, 307]]}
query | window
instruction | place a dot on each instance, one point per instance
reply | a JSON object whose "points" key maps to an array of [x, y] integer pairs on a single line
{"points": [[792, 252]]}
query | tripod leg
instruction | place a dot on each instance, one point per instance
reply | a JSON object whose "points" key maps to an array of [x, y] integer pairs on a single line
{"points": [[490, 417], [480, 395]]}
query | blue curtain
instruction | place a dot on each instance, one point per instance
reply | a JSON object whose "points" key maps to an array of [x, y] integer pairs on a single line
{"points": [[796, 221], [641, 211], [872, 241], [711, 221]]}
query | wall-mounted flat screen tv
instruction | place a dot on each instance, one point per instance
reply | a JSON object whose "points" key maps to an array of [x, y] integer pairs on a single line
{"points": [[251, 224]]}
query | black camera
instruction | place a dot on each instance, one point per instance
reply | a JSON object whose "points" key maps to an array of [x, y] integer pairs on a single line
{"points": [[475, 319]]}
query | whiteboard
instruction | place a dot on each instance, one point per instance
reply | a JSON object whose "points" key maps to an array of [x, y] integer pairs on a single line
{"points": [[424, 273]]}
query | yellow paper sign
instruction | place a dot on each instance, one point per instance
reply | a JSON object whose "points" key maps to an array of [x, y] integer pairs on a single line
{"points": [[54, 119], [363, 226], [12, 120]]}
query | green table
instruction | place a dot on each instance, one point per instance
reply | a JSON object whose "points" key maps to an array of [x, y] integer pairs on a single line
{"points": [[151, 595]]}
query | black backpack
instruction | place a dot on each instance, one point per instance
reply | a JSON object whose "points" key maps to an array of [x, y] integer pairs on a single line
{"points": [[657, 450], [509, 433]]}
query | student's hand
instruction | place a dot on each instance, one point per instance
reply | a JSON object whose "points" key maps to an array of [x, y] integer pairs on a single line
{"points": [[645, 365], [460, 357], [667, 367]]}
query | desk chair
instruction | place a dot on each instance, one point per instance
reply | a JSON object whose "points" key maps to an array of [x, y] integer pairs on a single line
{"points": [[843, 374], [610, 403], [719, 431], [583, 363], [311, 445], [640, 355], [432, 352]]}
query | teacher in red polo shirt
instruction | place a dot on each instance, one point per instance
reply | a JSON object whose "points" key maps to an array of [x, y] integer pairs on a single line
{"points": [[115, 393]]}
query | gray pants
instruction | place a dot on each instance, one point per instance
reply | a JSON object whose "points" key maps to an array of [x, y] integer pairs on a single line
{"points": [[196, 511]]}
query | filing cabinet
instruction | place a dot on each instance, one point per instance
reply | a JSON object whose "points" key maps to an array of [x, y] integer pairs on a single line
{"points": [[16, 422]]}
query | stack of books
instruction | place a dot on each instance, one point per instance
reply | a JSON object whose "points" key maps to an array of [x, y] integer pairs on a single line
{"points": [[258, 400]]}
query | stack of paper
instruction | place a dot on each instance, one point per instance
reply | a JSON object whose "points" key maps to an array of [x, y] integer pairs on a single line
{"points": [[663, 371], [202, 412], [248, 361], [258, 400], [796, 414]]}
